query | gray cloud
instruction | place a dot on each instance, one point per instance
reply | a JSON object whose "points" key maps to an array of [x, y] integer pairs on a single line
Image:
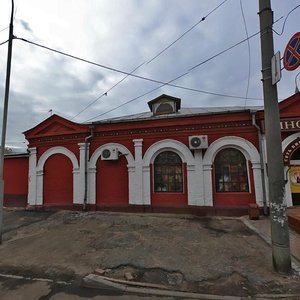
{"points": [[25, 25]]}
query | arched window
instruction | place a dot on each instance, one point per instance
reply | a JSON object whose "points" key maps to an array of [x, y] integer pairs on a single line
{"points": [[164, 108], [168, 175], [231, 171]]}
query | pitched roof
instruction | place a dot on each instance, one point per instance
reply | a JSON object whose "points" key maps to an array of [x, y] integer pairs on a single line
{"points": [[184, 112]]}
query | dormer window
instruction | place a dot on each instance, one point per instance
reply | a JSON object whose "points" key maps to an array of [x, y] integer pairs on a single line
{"points": [[164, 104], [164, 108]]}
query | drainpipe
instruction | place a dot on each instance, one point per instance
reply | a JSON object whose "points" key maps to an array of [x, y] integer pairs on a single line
{"points": [[86, 142], [253, 114]]}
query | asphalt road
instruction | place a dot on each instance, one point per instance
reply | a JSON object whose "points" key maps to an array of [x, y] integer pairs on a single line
{"points": [[217, 256]]}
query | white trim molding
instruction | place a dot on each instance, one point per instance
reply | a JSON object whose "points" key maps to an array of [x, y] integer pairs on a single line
{"points": [[32, 177], [249, 151], [92, 169], [40, 173], [136, 174], [80, 187], [194, 169]]}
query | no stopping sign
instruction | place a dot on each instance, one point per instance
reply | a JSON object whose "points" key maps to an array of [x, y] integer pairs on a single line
{"points": [[291, 58]]}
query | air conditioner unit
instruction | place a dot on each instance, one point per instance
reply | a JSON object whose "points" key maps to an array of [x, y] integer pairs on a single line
{"points": [[110, 154], [198, 142]]}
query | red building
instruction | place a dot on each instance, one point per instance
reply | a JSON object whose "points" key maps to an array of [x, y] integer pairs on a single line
{"points": [[16, 179], [209, 160]]}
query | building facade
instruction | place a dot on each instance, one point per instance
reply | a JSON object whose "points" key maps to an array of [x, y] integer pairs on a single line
{"points": [[207, 160]]}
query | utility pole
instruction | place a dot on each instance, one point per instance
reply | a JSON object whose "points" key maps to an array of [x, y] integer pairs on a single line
{"points": [[4, 122], [278, 208]]}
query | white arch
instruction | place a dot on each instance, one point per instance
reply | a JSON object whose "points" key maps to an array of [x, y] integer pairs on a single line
{"points": [[247, 148], [194, 172], [92, 168], [164, 145], [249, 151], [40, 171], [57, 150], [122, 149]]}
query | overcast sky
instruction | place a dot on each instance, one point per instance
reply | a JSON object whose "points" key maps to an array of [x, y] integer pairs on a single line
{"points": [[123, 34]]}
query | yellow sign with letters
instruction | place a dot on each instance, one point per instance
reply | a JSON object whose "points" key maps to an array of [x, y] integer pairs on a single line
{"points": [[294, 174]]}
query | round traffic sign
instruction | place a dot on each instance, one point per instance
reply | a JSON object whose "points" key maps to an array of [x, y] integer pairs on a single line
{"points": [[291, 58]]}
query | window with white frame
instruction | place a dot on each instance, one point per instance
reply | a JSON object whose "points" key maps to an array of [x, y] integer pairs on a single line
{"points": [[168, 172], [231, 171]]}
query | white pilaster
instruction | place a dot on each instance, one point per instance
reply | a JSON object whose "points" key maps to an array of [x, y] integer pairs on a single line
{"points": [[208, 185], [256, 167], [32, 177], [135, 175], [195, 180], [92, 185], [131, 185], [77, 192], [146, 185], [39, 187], [79, 175]]}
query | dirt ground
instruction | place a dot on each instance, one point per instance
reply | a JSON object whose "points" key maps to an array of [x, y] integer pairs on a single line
{"points": [[207, 255]]}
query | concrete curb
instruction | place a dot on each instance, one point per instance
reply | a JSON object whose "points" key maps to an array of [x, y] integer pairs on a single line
{"points": [[267, 239], [11, 276], [247, 222], [104, 283]]}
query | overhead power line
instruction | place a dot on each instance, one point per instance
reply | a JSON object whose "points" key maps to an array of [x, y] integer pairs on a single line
{"points": [[4, 28], [129, 101], [105, 94], [131, 73], [185, 33], [153, 58], [222, 52], [227, 49], [173, 85], [87, 61], [287, 16], [142, 77], [159, 87], [249, 53], [152, 80], [3, 43], [169, 83]]}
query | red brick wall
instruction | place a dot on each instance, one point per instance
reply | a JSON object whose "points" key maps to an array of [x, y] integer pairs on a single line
{"points": [[16, 181], [112, 182], [58, 180]]}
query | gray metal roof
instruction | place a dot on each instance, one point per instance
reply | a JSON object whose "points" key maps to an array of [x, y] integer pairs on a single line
{"points": [[192, 111]]}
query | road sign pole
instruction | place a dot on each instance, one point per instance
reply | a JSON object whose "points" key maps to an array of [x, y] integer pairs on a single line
{"points": [[278, 209], [5, 109]]}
